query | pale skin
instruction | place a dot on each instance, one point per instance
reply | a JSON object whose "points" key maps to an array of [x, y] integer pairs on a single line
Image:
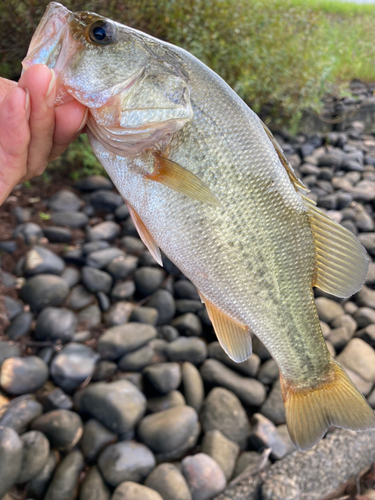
{"points": [[32, 131]]}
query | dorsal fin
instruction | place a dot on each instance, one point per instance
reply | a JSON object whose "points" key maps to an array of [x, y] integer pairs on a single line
{"points": [[341, 263], [145, 235], [288, 167], [234, 338]]}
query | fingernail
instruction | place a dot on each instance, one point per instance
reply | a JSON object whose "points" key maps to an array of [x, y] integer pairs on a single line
{"points": [[83, 123], [27, 104], [50, 95]]}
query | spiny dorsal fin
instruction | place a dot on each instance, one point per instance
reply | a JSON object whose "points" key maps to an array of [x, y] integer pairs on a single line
{"points": [[341, 263], [145, 235], [179, 179], [288, 167], [234, 338]]}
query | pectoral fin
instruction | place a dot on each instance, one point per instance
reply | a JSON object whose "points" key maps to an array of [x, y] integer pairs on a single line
{"points": [[145, 235], [234, 338], [179, 179], [341, 263]]}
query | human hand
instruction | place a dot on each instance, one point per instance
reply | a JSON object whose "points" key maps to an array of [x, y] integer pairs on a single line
{"points": [[32, 131]]}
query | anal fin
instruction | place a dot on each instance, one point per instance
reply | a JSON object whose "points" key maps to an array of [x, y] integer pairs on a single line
{"points": [[145, 235], [234, 338]]}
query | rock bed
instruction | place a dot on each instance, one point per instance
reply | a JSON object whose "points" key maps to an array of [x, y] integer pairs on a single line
{"points": [[111, 378]]}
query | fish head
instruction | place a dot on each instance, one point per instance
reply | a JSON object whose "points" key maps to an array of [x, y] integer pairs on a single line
{"points": [[134, 85]]}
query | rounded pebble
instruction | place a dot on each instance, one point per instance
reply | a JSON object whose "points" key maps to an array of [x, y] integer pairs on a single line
{"points": [[63, 428], [203, 475], [23, 375]]}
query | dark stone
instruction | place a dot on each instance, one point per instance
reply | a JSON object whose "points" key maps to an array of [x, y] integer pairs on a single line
{"points": [[132, 245], [103, 301], [119, 313], [64, 201], [223, 411], [133, 491], [40, 260], [161, 403], [168, 430], [96, 280], [128, 228], [273, 407], [122, 267], [74, 220], [73, 365], [248, 459], [12, 307], [55, 323], [192, 384], [29, 232], [167, 480], [260, 349], [119, 340], [19, 413], [163, 302], [185, 289], [121, 212], [63, 428], [7, 279], [168, 333], [72, 276], [34, 455], [203, 475], [22, 214], [264, 435], [74, 257], [165, 377], [8, 350], [125, 461], [146, 315], [46, 354], [56, 234], [10, 458], [123, 290], [65, 480], [188, 324], [90, 317], [190, 349], [23, 375], [79, 297], [93, 246], [105, 201], [93, 486], [85, 335], [37, 487], [101, 258], [118, 405], [95, 438], [137, 360], [222, 450], [8, 246], [55, 399], [20, 326], [249, 367], [104, 370], [44, 290], [184, 306], [93, 183], [107, 230], [268, 372], [148, 279]]}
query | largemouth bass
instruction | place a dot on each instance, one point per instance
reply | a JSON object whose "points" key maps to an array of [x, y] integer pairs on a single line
{"points": [[206, 182]]}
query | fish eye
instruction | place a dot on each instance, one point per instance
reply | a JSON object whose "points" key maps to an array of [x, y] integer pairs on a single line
{"points": [[102, 32]]}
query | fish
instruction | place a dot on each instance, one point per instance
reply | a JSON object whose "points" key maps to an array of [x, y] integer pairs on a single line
{"points": [[206, 183]]}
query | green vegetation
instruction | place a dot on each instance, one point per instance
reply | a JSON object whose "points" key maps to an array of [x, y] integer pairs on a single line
{"points": [[280, 56]]}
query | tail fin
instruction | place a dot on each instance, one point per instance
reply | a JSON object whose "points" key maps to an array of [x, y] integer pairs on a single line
{"points": [[334, 401]]}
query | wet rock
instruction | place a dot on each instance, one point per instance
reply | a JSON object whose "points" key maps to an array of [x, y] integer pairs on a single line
{"points": [[165, 377], [359, 357], [223, 411], [93, 183], [364, 316], [55, 323], [93, 486], [169, 430], [56, 234], [64, 201], [118, 405], [119, 340], [8, 246], [366, 297], [40, 260], [264, 434], [95, 438], [105, 201], [273, 407], [122, 267], [146, 315], [107, 231], [20, 413], [328, 309], [23, 375], [167, 480], [119, 313], [55, 399], [268, 372], [44, 290], [125, 461], [190, 349], [65, 480], [185, 289], [37, 487], [164, 303], [10, 458], [222, 450], [20, 326], [90, 317], [249, 367], [250, 391], [133, 491], [29, 232], [74, 220], [188, 324], [192, 384], [101, 258], [161, 403], [34, 455], [203, 475], [148, 279], [8, 350], [63, 428], [79, 297], [73, 365], [96, 280], [123, 291]]}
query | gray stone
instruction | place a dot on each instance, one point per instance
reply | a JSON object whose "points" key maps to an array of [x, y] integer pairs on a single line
{"points": [[122, 267], [339, 337], [56, 234], [90, 317], [10, 458], [55, 399], [164, 303], [328, 309], [222, 450], [8, 350], [105, 201], [250, 391], [65, 480], [74, 220], [359, 357], [133, 491], [34, 455], [273, 407], [20, 326], [368, 241], [203, 475], [79, 297], [146, 315], [367, 334], [370, 278], [107, 230], [63, 428], [366, 297], [268, 372], [19, 413], [122, 212], [95, 438], [190, 349], [161, 403], [96, 280], [167, 480], [37, 487], [250, 459], [102, 258], [119, 313], [29, 232], [44, 290], [55, 323], [40, 260], [222, 410], [188, 306], [264, 434], [93, 246], [249, 367], [23, 375], [93, 486], [64, 201], [148, 279], [137, 360], [132, 245], [93, 183], [124, 290], [165, 377], [125, 461], [119, 340], [185, 289], [168, 333], [364, 316], [104, 370], [188, 324], [192, 384], [347, 322]]}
